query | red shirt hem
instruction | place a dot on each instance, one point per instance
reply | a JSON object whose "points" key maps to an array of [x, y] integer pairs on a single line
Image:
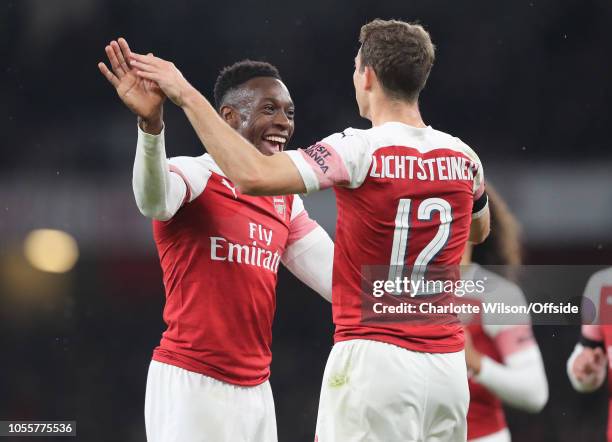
{"points": [[166, 357], [405, 343]]}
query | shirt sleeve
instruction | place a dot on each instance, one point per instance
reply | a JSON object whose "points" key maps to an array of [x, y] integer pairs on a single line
{"points": [[310, 252], [510, 331], [591, 301], [481, 200], [194, 173], [520, 381], [342, 159], [162, 186], [311, 260]]}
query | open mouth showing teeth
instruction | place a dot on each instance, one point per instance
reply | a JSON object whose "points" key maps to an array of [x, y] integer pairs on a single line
{"points": [[277, 141]]}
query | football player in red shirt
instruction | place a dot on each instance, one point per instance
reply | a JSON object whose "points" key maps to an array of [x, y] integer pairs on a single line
{"points": [[219, 250], [407, 196], [503, 357], [590, 362]]}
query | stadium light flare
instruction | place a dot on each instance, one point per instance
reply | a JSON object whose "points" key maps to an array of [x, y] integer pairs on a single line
{"points": [[51, 250]]}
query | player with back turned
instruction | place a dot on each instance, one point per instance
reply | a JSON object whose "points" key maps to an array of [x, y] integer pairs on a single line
{"points": [[219, 250], [407, 195]]}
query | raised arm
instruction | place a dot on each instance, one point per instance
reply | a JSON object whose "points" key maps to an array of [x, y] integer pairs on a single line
{"points": [[158, 191], [252, 172]]}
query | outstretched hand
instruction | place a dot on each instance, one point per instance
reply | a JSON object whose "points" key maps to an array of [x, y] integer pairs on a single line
{"points": [[142, 96], [590, 365], [165, 74]]}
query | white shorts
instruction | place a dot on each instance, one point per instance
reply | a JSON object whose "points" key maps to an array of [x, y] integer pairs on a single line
{"points": [[378, 392], [182, 406], [499, 436]]}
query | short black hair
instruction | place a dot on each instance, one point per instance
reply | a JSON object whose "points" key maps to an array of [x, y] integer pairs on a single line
{"points": [[240, 72]]}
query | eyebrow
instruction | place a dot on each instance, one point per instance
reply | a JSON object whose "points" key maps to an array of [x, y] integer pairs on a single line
{"points": [[276, 100]]}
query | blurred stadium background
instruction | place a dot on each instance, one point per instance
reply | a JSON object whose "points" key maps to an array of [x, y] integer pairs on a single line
{"points": [[526, 83]]}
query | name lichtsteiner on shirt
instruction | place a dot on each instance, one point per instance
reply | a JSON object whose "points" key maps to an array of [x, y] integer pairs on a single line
{"points": [[413, 167]]}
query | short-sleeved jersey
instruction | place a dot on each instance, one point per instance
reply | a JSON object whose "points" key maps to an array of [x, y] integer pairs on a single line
{"points": [[496, 338], [219, 256], [598, 294], [404, 197]]}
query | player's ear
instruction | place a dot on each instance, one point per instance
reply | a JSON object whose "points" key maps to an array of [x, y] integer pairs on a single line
{"points": [[369, 78], [230, 116]]}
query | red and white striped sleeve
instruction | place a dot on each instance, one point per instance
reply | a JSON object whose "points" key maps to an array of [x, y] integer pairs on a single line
{"points": [[342, 159]]}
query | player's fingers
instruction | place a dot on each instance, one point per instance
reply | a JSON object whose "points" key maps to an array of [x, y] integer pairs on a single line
{"points": [[148, 59], [153, 76], [119, 56], [108, 74], [110, 53], [144, 66], [125, 49], [141, 58]]}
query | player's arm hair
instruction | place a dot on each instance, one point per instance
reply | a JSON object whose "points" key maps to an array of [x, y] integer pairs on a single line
{"points": [[251, 171], [481, 220]]}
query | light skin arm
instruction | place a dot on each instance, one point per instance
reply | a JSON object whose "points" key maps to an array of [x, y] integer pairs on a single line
{"points": [[480, 228], [252, 172]]}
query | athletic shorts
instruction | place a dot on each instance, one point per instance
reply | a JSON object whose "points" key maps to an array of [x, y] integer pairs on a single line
{"points": [[182, 406], [378, 392]]}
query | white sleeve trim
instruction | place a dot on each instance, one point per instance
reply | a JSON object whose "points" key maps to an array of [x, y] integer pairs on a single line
{"points": [[311, 260], [520, 382], [297, 207], [158, 193], [591, 384], [309, 177]]}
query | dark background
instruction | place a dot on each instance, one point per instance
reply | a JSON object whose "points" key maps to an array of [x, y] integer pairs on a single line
{"points": [[526, 83]]}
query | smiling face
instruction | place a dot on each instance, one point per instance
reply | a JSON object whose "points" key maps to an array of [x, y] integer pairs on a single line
{"points": [[262, 111]]}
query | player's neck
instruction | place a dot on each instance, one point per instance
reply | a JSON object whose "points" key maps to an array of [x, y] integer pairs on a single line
{"points": [[384, 110]]}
